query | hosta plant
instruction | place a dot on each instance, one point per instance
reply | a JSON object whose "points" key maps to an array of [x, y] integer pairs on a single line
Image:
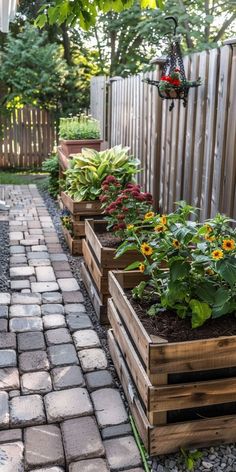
{"points": [[82, 127], [125, 207], [191, 267], [90, 168]]}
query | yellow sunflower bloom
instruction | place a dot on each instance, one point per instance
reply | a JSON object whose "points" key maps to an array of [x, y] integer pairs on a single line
{"points": [[209, 238], [208, 228], [228, 244], [176, 243], [130, 226], [141, 267], [149, 215], [217, 254], [146, 249], [164, 219], [160, 228]]}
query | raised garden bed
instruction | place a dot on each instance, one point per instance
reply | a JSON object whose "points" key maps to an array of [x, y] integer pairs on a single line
{"points": [[99, 259], [75, 146], [79, 212], [184, 391]]}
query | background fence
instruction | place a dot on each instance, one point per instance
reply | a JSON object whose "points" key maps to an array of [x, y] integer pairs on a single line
{"points": [[189, 153], [27, 137]]}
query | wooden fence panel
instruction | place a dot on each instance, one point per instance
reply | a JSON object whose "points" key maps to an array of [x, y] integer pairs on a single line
{"points": [[28, 135]]}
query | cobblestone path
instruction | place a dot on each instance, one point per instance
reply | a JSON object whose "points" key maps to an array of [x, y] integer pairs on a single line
{"points": [[59, 409]]}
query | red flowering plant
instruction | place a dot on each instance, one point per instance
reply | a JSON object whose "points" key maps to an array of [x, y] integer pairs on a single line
{"points": [[125, 207]]}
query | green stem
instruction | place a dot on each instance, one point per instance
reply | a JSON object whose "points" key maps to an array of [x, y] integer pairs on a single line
{"points": [[139, 444]]}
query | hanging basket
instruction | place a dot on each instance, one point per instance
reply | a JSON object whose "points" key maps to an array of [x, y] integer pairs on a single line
{"points": [[173, 84]]}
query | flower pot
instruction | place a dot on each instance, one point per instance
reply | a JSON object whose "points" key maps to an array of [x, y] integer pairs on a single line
{"points": [[181, 394], [75, 146]]}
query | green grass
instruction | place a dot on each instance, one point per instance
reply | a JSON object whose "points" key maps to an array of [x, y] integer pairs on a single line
{"points": [[21, 178]]}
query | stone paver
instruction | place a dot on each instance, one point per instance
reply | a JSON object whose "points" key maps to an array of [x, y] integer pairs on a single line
{"points": [[58, 336], [51, 297], [24, 310], [74, 308], [26, 299], [122, 453], [43, 446], [33, 361], [62, 354], [68, 285], [5, 298], [54, 321], [92, 359], [4, 411], [3, 311], [27, 410], [11, 457], [81, 439], [86, 338], [9, 379], [41, 287], [21, 272], [52, 309], [7, 358], [30, 341], [45, 274], [67, 404], [73, 297], [76, 322], [7, 341], [67, 377], [11, 435], [109, 408], [91, 465], [20, 325], [36, 382], [20, 284], [98, 379]]}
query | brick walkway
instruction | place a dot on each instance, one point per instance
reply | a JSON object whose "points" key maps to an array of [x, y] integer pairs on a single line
{"points": [[59, 409]]}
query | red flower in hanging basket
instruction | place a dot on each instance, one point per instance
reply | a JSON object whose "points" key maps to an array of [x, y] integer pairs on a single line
{"points": [[176, 82]]}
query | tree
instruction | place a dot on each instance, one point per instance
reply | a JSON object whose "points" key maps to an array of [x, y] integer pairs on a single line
{"points": [[32, 70]]}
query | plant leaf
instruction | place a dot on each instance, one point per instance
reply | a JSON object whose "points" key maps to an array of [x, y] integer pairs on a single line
{"points": [[201, 311]]}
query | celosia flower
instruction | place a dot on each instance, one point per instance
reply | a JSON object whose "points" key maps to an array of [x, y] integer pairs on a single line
{"points": [[121, 225], [146, 249], [121, 216], [217, 254], [228, 244]]}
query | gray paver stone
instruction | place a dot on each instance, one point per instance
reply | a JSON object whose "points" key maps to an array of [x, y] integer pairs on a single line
{"points": [[41, 287], [36, 382], [40, 247], [9, 379], [38, 255], [73, 297], [62, 354], [68, 285], [109, 408], [58, 336], [26, 299], [76, 322], [48, 469], [3, 311], [90, 465], [85, 339], [3, 325], [4, 411], [20, 311], [92, 359], [98, 379], [20, 284], [54, 321], [7, 340], [58, 257], [10, 435], [7, 358], [45, 274], [32, 361], [11, 455], [122, 453], [51, 297], [39, 262], [43, 447], [30, 341], [21, 272], [5, 299], [19, 325], [52, 309], [67, 377], [81, 439], [27, 410], [67, 404], [74, 308], [116, 431], [17, 250]]}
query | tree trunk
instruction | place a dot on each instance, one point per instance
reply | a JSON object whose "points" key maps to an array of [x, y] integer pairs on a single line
{"points": [[66, 44]]}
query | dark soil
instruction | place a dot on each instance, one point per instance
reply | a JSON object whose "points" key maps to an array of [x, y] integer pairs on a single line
{"points": [[109, 240], [169, 326]]}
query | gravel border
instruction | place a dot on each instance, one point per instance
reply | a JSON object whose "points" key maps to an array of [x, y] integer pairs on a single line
{"points": [[4, 257], [214, 459]]}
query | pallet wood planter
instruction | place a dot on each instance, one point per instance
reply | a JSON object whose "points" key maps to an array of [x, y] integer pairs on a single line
{"points": [[75, 146], [98, 261], [185, 391], [79, 212]]}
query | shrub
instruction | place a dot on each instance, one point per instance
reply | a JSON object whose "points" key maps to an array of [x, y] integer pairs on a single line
{"points": [[83, 127], [51, 165]]}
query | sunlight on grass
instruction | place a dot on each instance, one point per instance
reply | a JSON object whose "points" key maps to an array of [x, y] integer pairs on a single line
{"points": [[21, 178]]}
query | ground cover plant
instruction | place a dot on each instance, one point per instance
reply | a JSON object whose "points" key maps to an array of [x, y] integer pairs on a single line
{"points": [[191, 267]]}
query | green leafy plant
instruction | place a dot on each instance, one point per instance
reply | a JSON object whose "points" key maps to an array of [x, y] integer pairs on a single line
{"points": [[191, 458], [123, 207], [51, 165], [67, 222], [89, 169], [82, 127], [191, 267]]}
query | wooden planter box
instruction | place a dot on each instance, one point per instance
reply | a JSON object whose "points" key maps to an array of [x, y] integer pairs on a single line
{"points": [[74, 245], [75, 146], [79, 211], [184, 392], [98, 261]]}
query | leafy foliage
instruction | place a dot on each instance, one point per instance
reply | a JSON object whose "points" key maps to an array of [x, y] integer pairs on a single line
{"points": [[90, 168], [199, 261], [51, 165], [191, 458], [82, 127]]}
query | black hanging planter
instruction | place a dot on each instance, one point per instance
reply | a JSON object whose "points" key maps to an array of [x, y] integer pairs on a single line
{"points": [[173, 84]]}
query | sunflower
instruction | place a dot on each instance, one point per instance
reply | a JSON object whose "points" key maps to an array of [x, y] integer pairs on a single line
{"points": [[146, 249], [141, 267], [149, 215], [130, 226], [176, 243], [160, 228], [208, 228], [209, 238], [228, 244], [217, 254], [163, 219]]}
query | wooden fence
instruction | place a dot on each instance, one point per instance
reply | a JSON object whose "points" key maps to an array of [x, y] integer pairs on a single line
{"points": [[189, 153], [27, 136]]}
